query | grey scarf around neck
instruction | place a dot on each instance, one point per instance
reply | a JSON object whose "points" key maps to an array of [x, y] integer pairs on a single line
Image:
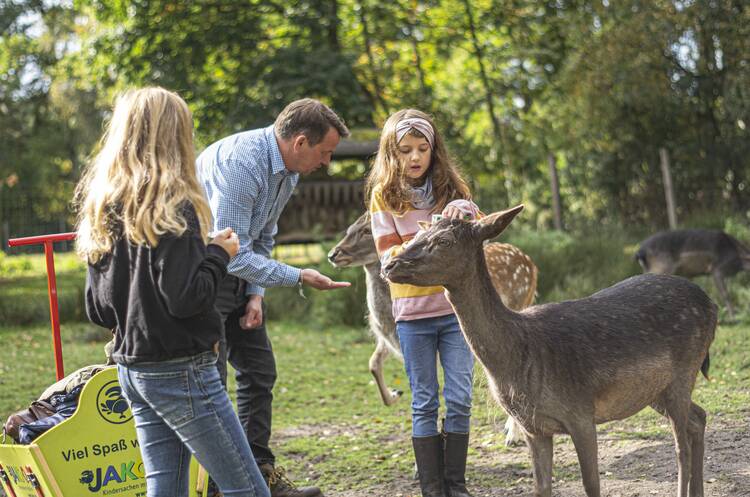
{"points": [[421, 196]]}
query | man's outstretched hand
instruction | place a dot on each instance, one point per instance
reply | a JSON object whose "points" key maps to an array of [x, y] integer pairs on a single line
{"points": [[313, 278], [253, 316]]}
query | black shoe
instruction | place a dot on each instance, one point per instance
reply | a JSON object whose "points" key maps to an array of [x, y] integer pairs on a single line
{"points": [[281, 486], [456, 447], [428, 451]]}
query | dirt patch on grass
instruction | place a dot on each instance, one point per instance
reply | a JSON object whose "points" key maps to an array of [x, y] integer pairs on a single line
{"points": [[628, 468], [317, 431]]}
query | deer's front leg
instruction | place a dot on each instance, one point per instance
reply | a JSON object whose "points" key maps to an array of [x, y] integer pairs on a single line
{"points": [[376, 368], [540, 447], [584, 439], [722, 287]]}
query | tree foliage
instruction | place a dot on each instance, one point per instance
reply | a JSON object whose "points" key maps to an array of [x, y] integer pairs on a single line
{"points": [[599, 85]]}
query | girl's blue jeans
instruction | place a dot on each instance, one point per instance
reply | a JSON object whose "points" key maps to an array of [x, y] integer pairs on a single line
{"points": [[422, 342], [181, 408]]}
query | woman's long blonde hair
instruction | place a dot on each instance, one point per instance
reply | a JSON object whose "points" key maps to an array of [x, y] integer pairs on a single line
{"points": [[139, 182], [388, 171]]}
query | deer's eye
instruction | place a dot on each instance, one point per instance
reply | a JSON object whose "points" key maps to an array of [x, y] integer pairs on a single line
{"points": [[443, 242]]}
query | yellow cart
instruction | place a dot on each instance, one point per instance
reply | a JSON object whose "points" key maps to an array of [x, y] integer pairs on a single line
{"points": [[95, 452]]}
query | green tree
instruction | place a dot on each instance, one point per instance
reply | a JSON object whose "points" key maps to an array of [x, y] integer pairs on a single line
{"points": [[46, 125], [237, 63]]}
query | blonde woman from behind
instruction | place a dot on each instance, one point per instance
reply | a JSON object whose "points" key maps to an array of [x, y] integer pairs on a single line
{"points": [[142, 228]]}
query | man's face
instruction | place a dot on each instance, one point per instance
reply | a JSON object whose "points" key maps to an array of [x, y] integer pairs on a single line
{"points": [[311, 158]]}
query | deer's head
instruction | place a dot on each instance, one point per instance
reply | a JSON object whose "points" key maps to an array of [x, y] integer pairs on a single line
{"points": [[357, 248], [440, 253]]}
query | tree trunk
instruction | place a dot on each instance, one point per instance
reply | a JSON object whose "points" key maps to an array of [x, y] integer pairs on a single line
{"points": [[426, 93], [333, 27], [420, 71], [555, 186], [668, 191], [482, 72], [374, 71]]}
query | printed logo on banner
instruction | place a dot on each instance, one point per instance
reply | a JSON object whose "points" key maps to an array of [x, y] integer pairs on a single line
{"points": [[111, 405], [101, 477]]}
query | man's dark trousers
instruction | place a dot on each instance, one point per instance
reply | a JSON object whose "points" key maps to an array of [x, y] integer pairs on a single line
{"points": [[251, 355]]}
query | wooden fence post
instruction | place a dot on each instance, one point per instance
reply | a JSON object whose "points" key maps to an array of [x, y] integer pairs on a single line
{"points": [[668, 190], [555, 185]]}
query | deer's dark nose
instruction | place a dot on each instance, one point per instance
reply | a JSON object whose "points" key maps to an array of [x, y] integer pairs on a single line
{"points": [[333, 254], [387, 268]]}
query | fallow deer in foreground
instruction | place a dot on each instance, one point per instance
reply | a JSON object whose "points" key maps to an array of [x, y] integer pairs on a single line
{"points": [[513, 275], [695, 252], [568, 366]]}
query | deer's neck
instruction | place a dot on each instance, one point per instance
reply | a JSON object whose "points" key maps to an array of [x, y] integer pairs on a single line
{"points": [[375, 284], [378, 295], [372, 271], [490, 328]]}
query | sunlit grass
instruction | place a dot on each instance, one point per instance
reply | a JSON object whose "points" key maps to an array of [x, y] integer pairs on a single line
{"points": [[330, 426]]}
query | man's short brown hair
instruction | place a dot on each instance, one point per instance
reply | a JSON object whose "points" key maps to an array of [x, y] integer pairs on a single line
{"points": [[308, 117]]}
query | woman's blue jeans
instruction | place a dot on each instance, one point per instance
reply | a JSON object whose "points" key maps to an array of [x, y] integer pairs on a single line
{"points": [[422, 341], [181, 408]]}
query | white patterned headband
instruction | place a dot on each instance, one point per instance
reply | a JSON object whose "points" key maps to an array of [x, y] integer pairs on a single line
{"points": [[416, 123]]}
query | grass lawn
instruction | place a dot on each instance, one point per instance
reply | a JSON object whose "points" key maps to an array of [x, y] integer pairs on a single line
{"points": [[331, 428], [23, 289]]}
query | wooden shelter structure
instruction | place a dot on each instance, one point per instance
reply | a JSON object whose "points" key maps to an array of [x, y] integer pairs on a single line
{"points": [[322, 209]]}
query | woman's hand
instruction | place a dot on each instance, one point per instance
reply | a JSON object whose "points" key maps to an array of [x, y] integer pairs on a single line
{"points": [[228, 240]]}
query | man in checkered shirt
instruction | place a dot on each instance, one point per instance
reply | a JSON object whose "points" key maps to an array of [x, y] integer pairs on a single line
{"points": [[248, 178]]}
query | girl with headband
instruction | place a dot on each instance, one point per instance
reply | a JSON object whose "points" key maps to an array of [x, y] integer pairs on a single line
{"points": [[413, 177]]}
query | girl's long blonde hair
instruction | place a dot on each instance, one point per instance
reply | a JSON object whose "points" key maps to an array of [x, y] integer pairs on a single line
{"points": [[388, 171], [139, 182]]}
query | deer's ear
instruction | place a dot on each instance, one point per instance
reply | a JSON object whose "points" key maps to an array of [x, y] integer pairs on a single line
{"points": [[491, 226], [424, 225]]}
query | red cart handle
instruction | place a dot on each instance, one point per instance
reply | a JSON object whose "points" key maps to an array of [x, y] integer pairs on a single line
{"points": [[54, 312]]}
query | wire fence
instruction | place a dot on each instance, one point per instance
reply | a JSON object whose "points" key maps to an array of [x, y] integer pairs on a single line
{"points": [[26, 212], [318, 211]]}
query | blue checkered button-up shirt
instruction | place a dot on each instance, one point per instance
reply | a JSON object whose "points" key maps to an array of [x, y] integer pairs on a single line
{"points": [[247, 186]]}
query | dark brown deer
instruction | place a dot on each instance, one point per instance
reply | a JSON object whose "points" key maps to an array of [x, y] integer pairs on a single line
{"points": [[693, 253], [513, 273], [568, 366]]}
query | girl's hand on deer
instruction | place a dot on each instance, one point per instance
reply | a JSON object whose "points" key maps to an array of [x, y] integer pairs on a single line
{"points": [[253, 313], [228, 240], [313, 278], [453, 212]]}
